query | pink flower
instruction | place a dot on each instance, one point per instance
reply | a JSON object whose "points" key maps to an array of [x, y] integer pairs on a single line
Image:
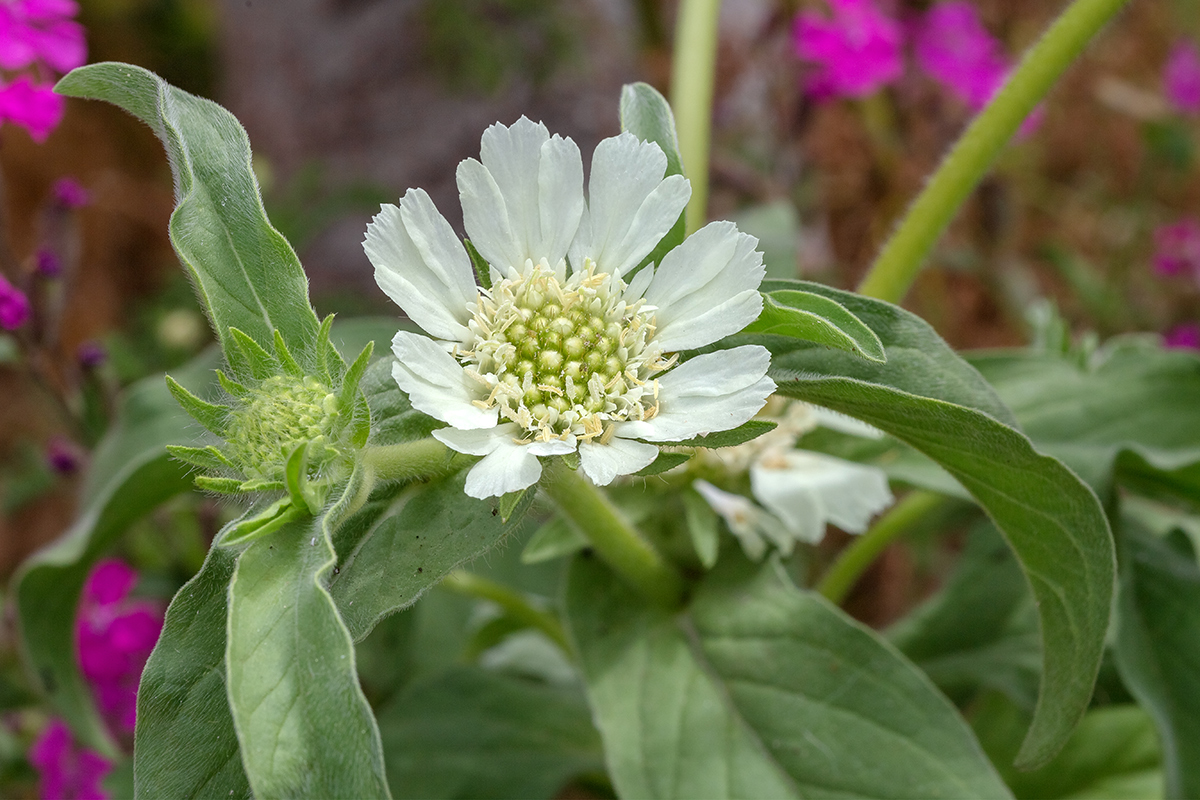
{"points": [[41, 30], [34, 107], [1177, 248], [952, 45], [67, 771], [70, 193], [14, 306], [855, 51], [63, 456], [1183, 337], [114, 636], [1181, 77]]}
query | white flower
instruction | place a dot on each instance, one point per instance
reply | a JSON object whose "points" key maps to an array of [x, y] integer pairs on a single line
{"points": [[802, 490], [561, 354]]}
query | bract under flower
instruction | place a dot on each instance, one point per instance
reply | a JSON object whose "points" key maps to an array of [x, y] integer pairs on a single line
{"points": [[561, 354]]}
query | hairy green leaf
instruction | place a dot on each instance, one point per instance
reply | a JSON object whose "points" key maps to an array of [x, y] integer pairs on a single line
{"points": [[470, 733], [303, 723], [761, 690], [730, 438], [808, 316], [1158, 648], [245, 272], [931, 399], [185, 745]]}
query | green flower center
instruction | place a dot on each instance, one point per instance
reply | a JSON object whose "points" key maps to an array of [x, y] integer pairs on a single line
{"points": [[562, 357], [279, 415]]}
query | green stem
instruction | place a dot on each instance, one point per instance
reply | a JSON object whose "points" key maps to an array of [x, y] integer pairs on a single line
{"points": [[614, 539], [852, 562], [396, 462], [692, 67], [904, 253], [514, 603]]}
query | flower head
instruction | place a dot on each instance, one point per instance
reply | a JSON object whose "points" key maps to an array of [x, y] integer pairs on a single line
{"points": [[560, 353], [1181, 77], [14, 306], [1177, 248], [70, 193], [952, 45], [115, 636], [856, 50], [33, 106], [801, 491], [67, 770], [33, 31]]}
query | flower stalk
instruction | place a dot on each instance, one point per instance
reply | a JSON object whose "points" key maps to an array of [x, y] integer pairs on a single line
{"points": [[513, 602], [972, 156], [614, 539], [693, 66], [852, 562]]}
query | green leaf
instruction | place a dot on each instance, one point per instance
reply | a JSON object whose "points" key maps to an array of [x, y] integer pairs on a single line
{"points": [[245, 272], [203, 457], [286, 359], [482, 271], [647, 115], [508, 504], [1137, 406], [703, 525], [185, 743], [808, 316], [555, 539], [1112, 755], [980, 630], [761, 690], [303, 723], [255, 525], [469, 733], [431, 529], [1158, 648], [212, 417], [258, 362], [663, 462], [929, 398], [730, 438], [130, 474]]}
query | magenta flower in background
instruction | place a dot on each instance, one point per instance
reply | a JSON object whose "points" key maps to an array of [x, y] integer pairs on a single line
{"points": [[63, 456], [1177, 248], [41, 31], [1181, 77], [67, 770], [91, 354], [855, 50], [952, 45], [70, 193], [1183, 337], [115, 635], [33, 106], [14, 306]]}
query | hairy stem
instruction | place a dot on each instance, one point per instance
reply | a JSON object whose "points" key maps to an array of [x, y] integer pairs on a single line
{"points": [[420, 459], [969, 160], [692, 67], [852, 562], [514, 603], [611, 535]]}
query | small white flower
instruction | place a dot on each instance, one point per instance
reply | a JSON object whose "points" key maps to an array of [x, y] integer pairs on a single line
{"points": [[802, 490], [561, 354]]}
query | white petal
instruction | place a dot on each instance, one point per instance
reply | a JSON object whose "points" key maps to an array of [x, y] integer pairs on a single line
{"points": [[523, 199], [421, 265], [603, 462], [507, 466], [641, 281], [809, 489], [739, 514], [707, 288], [711, 392], [630, 205], [435, 383], [554, 447]]}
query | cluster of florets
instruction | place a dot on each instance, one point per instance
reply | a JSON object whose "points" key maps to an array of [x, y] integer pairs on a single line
{"points": [[561, 356], [286, 428]]}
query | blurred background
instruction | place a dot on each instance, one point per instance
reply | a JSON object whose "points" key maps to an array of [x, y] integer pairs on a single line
{"points": [[1091, 216]]}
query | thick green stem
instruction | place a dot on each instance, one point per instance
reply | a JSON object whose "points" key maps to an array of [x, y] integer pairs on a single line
{"points": [[852, 562], [692, 67], [613, 538], [515, 604], [422, 458], [904, 253]]}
